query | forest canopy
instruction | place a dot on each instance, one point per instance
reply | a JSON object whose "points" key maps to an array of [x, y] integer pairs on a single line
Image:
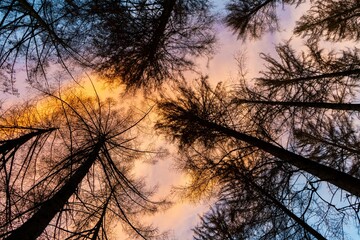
{"points": [[275, 155]]}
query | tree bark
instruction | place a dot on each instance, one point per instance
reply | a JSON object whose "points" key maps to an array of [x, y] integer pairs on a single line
{"points": [[8, 145], [278, 82], [35, 225], [323, 172], [323, 105]]}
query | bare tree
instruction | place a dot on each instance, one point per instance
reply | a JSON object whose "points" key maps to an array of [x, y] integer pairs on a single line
{"points": [[82, 179], [312, 75], [158, 43], [323, 172]]}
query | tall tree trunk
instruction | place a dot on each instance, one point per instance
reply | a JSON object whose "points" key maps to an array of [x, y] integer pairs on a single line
{"points": [[323, 172], [281, 206], [278, 82], [8, 145], [35, 225], [322, 105], [157, 37]]}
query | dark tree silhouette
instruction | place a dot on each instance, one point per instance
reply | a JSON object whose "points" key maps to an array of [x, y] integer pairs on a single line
{"points": [[79, 190], [251, 19], [332, 20], [9, 150], [335, 141], [34, 226], [244, 207], [205, 116], [36, 34], [323, 172], [158, 42], [140, 43], [13, 144], [295, 88], [309, 92], [312, 75]]}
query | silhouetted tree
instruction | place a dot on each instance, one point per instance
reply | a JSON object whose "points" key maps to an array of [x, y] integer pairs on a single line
{"points": [[9, 150], [251, 19], [332, 20], [157, 43], [141, 43], [80, 181], [295, 88], [37, 34], [246, 208], [206, 117], [312, 75], [13, 144], [334, 141]]}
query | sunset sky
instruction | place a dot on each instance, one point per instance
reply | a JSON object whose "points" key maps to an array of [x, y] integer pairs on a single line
{"points": [[182, 217], [179, 219]]}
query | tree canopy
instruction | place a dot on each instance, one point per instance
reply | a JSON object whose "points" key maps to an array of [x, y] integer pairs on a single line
{"points": [[275, 153], [139, 43]]}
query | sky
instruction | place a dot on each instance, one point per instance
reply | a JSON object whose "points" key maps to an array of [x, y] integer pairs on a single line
{"points": [[223, 68], [183, 216]]}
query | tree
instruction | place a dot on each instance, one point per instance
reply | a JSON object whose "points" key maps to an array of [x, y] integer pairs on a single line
{"points": [[13, 144], [206, 116], [332, 20], [35, 35], [295, 88], [251, 19], [163, 35], [140, 43], [334, 142], [8, 153], [312, 75], [77, 191], [245, 208], [35, 225]]}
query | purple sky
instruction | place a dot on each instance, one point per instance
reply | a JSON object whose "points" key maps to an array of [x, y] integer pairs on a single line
{"points": [[180, 218]]}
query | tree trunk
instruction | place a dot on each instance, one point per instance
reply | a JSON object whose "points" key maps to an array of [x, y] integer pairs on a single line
{"points": [[35, 225], [323, 172], [8, 145], [281, 206], [278, 82], [157, 38], [322, 105]]}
